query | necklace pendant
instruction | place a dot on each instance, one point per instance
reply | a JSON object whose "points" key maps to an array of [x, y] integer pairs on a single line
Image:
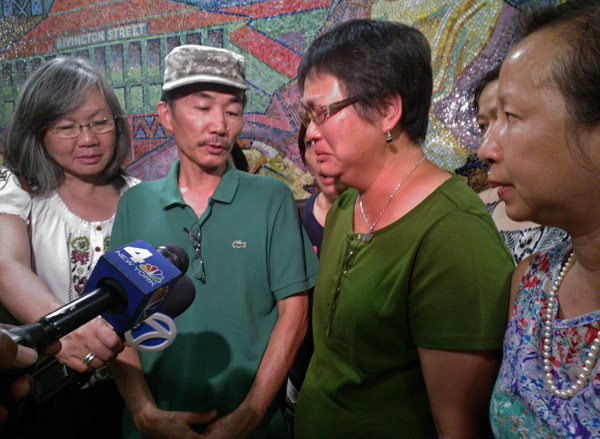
{"points": [[367, 236]]}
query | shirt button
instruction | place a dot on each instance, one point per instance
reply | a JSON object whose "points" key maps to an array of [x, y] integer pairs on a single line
{"points": [[98, 228], [97, 249]]}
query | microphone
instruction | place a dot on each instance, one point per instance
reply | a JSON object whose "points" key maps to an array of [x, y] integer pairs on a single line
{"points": [[52, 377], [181, 297], [158, 331], [147, 277], [127, 285]]}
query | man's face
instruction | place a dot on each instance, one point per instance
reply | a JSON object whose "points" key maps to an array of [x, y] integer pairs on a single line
{"points": [[206, 120]]}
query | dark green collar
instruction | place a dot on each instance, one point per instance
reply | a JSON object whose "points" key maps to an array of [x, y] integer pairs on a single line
{"points": [[170, 194]]}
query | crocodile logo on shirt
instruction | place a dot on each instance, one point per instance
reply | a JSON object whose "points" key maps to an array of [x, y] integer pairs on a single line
{"points": [[238, 244]]}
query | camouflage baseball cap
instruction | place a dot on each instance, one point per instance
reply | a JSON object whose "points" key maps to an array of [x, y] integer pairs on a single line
{"points": [[191, 64]]}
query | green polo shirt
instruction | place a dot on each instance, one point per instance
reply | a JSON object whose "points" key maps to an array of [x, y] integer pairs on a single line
{"points": [[255, 253]]}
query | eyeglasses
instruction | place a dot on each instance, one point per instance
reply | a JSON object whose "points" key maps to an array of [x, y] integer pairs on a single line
{"points": [[197, 262], [320, 113], [70, 131]]}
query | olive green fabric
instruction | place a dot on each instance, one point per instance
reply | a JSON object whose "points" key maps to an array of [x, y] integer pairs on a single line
{"points": [[437, 278]]}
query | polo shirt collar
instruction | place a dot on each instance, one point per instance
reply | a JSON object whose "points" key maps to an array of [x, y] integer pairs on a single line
{"points": [[228, 185], [170, 195]]}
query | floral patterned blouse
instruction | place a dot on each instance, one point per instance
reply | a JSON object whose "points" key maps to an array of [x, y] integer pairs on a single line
{"points": [[521, 406], [65, 247]]}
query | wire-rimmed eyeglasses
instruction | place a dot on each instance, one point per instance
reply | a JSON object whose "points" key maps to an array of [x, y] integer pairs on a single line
{"points": [[320, 113], [67, 130], [197, 263]]}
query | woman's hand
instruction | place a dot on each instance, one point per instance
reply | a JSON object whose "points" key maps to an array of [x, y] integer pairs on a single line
{"points": [[96, 337]]}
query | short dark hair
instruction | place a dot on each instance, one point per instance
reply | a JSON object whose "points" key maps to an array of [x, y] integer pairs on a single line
{"points": [[239, 158], [373, 59], [481, 84], [57, 88], [301, 142], [576, 70]]}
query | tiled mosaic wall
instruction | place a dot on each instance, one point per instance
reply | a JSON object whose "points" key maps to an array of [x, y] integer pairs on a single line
{"points": [[129, 39]]}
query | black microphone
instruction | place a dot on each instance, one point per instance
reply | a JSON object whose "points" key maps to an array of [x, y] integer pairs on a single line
{"points": [[129, 284], [52, 376], [158, 331], [181, 297]]}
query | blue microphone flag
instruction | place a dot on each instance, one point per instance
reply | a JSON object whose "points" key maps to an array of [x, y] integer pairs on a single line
{"points": [[145, 278]]}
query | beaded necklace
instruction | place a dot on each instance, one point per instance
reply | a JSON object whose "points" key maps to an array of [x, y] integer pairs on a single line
{"points": [[592, 355]]}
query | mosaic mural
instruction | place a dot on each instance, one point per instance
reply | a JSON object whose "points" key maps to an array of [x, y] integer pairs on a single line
{"points": [[128, 40]]}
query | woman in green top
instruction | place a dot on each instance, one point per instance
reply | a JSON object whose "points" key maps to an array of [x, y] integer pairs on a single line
{"points": [[410, 303]]}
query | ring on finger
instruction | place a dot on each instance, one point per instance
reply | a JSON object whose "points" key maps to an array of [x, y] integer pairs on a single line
{"points": [[88, 358]]}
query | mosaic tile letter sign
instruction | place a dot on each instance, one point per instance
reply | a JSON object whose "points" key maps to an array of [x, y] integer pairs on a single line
{"points": [[128, 40]]}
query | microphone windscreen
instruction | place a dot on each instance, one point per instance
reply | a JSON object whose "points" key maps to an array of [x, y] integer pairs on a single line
{"points": [[158, 331], [180, 298], [176, 255]]}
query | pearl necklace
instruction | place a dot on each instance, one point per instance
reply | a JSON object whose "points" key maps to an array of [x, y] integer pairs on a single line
{"points": [[367, 236], [588, 365]]}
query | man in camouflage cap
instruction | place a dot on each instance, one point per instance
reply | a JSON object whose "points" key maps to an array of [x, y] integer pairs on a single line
{"points": [[251, 264]]}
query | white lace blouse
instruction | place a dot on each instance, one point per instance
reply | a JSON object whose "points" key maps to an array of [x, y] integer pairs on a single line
{"points": [[65, 247]]}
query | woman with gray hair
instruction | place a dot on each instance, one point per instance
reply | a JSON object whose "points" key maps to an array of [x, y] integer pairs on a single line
{"points": [[63, 148]]}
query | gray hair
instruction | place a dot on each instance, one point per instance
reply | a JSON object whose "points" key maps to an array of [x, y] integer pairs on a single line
{"points": [[57, 88]]}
